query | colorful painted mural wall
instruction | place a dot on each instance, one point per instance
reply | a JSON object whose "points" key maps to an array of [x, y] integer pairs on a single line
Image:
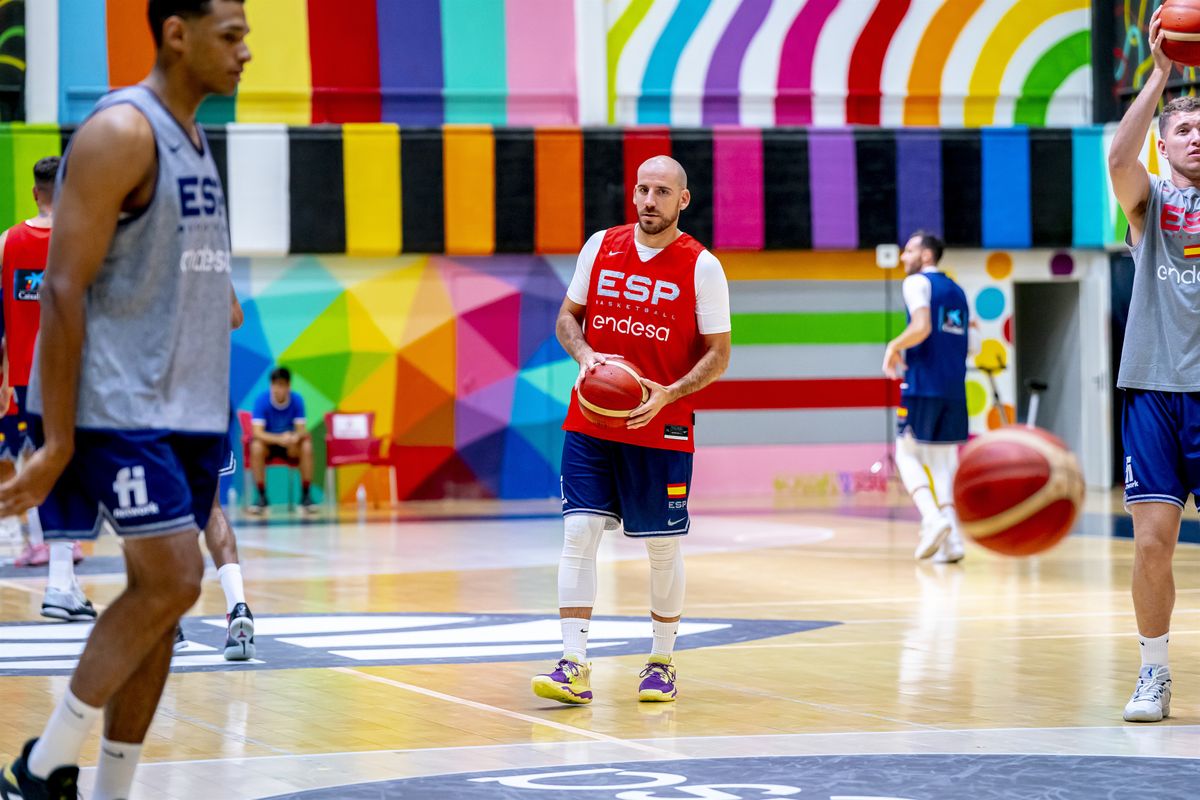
{"points": [[548, 62], [458, 359]]}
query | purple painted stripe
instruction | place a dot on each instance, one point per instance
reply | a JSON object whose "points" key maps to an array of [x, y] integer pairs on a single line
{"points": [[410, 61], [834, 184], [721, 93], [737, 189], [918, 182]]}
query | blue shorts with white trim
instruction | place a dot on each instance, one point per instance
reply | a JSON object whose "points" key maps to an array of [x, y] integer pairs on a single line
{"points": [[646, 488], [1161, 435], [143, 483]]}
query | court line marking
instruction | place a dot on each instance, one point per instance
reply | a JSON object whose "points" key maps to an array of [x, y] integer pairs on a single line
{"points": [[956, 640], [408, 687]]}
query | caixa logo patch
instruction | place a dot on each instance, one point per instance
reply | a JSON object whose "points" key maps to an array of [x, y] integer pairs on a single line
{"points": [[347, 640], [834, 777]]}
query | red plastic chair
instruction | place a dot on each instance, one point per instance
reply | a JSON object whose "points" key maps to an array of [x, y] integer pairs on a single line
{"points": [[246, 422], [350, 440]]}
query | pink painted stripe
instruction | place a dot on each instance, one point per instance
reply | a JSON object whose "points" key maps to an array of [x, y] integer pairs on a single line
{"points": [[737, 188], [542, 89], [770, 470], [793, 99]]}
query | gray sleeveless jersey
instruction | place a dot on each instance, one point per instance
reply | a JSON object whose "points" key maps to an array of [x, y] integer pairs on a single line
{"points": [[1162, 335], [156, 352]]}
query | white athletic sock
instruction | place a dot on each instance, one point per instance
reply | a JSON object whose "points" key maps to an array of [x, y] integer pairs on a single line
{"points": [[63, 738], [664, 637], [1154, 651], [230, 576], [913, 475], [942, 460], [575, 634], [114, 773], [35, 527], [62, 566]]}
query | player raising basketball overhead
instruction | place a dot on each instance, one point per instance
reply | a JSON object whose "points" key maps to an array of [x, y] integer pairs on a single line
{"points": [[1160, 362], [640, 474]]}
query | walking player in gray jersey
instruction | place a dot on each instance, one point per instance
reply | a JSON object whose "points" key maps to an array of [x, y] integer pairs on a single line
{"points": [[1160, 362], [131, 381]]}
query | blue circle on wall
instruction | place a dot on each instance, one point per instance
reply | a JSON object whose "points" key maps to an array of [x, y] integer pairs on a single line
{"points": [[989, 304], [887, 777]]}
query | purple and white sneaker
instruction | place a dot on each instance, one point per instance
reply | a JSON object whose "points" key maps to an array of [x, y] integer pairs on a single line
{"points": [[658, 681], [569, 682]]}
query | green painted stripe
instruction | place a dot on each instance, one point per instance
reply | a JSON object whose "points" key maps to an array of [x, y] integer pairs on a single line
{"points": [[30, 143], [618, 37], [858, 327], [1049, 73]]}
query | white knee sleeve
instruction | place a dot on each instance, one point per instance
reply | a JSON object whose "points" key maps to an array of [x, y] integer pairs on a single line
{"points": [[577, 566], [667, 577], [908, 463], [942, 460]]}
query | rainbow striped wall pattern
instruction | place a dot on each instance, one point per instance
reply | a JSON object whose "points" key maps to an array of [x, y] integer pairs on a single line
{"points": [[457, 358], [378, 190], [677, 62]]}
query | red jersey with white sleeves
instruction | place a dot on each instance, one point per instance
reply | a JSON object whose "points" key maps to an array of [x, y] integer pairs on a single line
{"points": [[645, 312], [24, 260]]}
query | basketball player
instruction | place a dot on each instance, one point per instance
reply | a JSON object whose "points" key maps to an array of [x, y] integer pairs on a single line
{"points": [[932, 419], [653, 294], [131, 381], [23, 249], [1160, 367]]}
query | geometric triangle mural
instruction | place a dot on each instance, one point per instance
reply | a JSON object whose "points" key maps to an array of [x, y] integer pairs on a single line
{"points": [[457, 357]]}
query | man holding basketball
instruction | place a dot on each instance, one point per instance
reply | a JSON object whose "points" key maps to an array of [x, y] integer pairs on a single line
{"points": [[1160, 363], [631, 279]]}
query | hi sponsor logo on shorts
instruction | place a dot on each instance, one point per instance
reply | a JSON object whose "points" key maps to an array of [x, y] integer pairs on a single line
{"points": [[133, 500], [1130, 483]]}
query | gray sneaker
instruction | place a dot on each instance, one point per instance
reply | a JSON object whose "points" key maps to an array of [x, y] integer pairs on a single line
{"points": [[69, 605]]}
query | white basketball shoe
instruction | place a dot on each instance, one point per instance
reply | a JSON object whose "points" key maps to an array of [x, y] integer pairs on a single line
{"points": [[1151, 701], [951, 550], [934, 530]]}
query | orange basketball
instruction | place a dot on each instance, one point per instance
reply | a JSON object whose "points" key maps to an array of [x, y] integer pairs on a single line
{"points": [[609, 392], [1181, 31], [1018, 490]]}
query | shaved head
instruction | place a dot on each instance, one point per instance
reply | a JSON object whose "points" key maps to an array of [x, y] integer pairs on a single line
{"points": [[664, 167]]}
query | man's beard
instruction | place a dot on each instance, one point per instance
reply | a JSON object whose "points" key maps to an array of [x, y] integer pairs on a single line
{"points": [[664, 222]]}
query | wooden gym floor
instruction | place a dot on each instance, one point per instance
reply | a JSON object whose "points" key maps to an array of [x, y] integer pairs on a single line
{"points": [[817, 660]]}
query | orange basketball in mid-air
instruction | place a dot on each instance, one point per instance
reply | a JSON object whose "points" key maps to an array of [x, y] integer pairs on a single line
{"points": [[1018, 490], [609, 392], [1181, 31]]}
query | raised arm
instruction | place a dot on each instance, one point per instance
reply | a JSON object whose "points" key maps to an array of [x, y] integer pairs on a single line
{"points": [[1131, 182]]}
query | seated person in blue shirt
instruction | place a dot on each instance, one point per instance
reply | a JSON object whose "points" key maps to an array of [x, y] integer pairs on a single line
{"points": [[280, 432]]}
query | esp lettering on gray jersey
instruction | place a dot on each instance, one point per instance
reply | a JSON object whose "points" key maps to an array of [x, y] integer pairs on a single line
{"points": [[1162, 339], [156, 348]]}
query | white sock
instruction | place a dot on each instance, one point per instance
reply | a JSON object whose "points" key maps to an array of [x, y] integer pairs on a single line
{"points": [[62, 566], [114, 773], [35, 527], [63, 738], [575, 633], [1154, 651], [230, 576], [664, 637]]}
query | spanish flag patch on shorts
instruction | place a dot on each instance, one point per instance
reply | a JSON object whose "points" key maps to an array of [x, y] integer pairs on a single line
{"points": [[676, 490]]}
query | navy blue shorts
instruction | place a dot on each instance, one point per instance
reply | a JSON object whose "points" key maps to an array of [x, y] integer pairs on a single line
{"points": [[646, 488], [932, 420], [1161, 435], [228, 459], [16, 436], [143, 483]]}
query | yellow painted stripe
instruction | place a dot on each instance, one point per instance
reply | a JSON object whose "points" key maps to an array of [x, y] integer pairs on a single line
{"points": [[470, 182], [776, 265], [371, 158], [1013, 29], [277, 83]]}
